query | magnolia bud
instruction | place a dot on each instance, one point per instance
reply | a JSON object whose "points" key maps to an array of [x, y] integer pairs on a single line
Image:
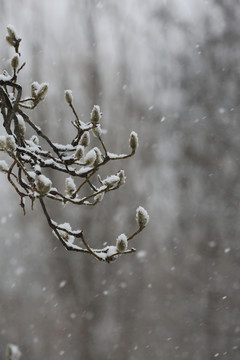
{"points": [[96, 114], [43, 184], [111, 181], [10, 143], [122, 177], [42, 91], [10, 40], [11, 37], [21, 124], [79, 152], [34, 88], [12, 32], [97, 131], [133, 141], [2, 142], [85, 139], [68, 96], [62, 230], [98, 156], [70, 186], [90, 158], [122, 243], [35, 139], [142, 217], [15, 62]]}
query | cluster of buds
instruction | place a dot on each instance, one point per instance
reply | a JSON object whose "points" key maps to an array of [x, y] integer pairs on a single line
{"points": [[77, 160], [7, 143]]}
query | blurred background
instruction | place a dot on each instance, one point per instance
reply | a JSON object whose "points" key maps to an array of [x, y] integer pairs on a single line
{"points": [[170, 70]]}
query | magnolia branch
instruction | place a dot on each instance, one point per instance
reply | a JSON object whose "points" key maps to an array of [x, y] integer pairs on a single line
{"points": [[77, 160]]}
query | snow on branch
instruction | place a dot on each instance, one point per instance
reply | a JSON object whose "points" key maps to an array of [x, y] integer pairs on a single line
{"points": [[28, 160]]}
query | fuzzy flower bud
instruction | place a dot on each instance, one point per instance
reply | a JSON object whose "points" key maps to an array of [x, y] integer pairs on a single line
{"points": [[10, 40], [133, 141], [98, 156], [10, 143], [79, 152], [122, 243], [21, 124], [42, 91], [85, 139], [90, 158], [15, 62], [96, 114], [111, 181], [3, 166], [2, 142], [11, 32], [68, 96], [34, 88], [97, 131], [11, 36], [35, 139], [62, 230], [142, 217], [122, 177], [70, 186], [43, 184]]}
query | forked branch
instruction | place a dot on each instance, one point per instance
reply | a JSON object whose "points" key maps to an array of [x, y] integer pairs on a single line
{"points": [[77, 160]]}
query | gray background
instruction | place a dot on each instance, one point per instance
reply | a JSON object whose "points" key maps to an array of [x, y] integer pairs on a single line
{"points": [[170, 71]]}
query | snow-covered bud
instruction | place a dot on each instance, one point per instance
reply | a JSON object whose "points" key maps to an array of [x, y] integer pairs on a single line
{"points": [[96, 114], [122, 177], [13, 352], [15, 62], [70, 186], [21, 124], [2, 142], [90, 158], [3, 166], [122, 243], [43, 184], [10, 143], [35, 139], [79, 152], [98, 156], [62, 230], [34, 88], [42, 91], [85, 139], [97, 131], [142, 217], [99, 197], [68, 96], [133, 141], [111, 181]]}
